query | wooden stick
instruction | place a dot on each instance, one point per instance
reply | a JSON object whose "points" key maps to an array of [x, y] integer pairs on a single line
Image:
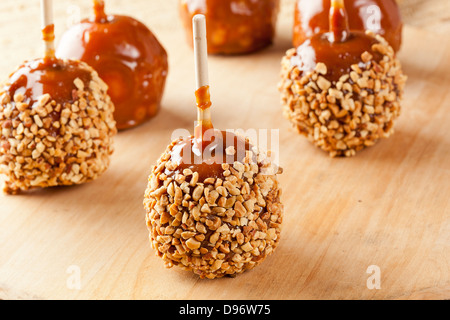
{"points": [[48, 28], [339, 27], [201, 76], [200, 51]]}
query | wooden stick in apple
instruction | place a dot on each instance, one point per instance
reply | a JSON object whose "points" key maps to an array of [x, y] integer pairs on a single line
{"points": [[202, 79], [48, 28]]}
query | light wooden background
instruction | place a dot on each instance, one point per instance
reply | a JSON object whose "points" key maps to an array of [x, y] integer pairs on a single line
{"points": [[389, 206]]}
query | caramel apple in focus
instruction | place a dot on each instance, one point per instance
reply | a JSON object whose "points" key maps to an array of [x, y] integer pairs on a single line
{"points": [[127, 56], [380, 16], [57, 124], [213, 205], [213, 199], [234, 26], [342, 89]]}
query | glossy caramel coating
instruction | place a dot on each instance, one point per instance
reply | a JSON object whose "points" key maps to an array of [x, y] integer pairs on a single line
{"points": [[47, 76], [207, 156], [337, 56], [312, 17], [345, 116], [234, 27], [48, 35], [203, 98], [338, 49], [213, 221], [127, 56], [209, 148], [57, 125]]}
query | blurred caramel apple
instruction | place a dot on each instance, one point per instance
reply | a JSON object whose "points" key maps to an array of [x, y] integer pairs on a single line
{"points": [[379, 16], [127, 56], [56, 121], [342, 89], [234, 26]]}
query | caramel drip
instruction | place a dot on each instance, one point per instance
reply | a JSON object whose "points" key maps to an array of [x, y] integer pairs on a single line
{"points": [[48, 35], [203, 98], [339, 27], [99, 11], [204, 123]]}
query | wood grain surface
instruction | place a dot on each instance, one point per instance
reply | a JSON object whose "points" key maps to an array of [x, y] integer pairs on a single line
{"points": [[387, 207], [430, 15]]}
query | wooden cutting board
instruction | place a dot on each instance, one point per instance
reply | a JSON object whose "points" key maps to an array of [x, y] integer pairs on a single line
{"points": [[388, 207]]}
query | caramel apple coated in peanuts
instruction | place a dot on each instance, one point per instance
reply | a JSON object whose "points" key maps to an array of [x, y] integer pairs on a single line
{"points": [[342, 89], [213, 200], [57, 124], [379, 16]]}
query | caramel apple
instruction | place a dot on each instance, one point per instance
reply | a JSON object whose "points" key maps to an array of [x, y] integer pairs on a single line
{"points": [[234, 27], [56, 122], [379, 16], [342, 89], [213, 200], [127, 56]]}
